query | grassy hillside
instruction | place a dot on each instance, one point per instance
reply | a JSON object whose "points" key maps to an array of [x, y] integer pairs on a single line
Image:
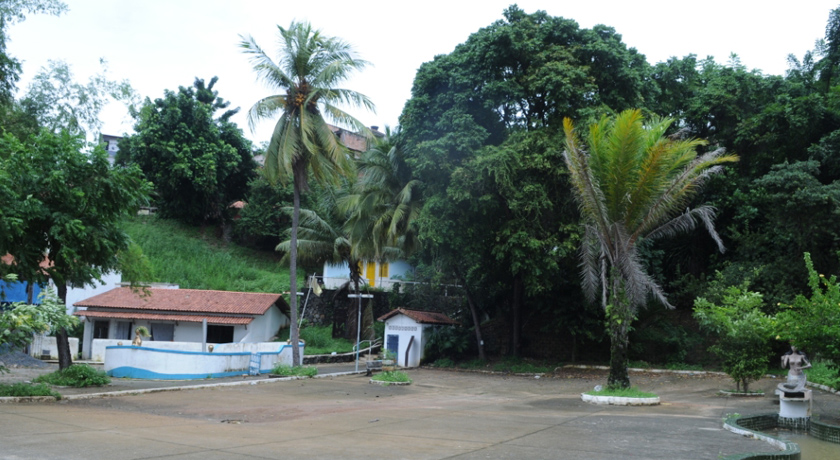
{"points": [[196, 259]]}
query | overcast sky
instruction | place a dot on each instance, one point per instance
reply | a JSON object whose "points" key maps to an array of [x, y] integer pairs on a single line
{"points": [[163, 44]]}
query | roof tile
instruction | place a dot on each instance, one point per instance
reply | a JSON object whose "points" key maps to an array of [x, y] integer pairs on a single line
{"points": [[185, 300], [422, 317]]}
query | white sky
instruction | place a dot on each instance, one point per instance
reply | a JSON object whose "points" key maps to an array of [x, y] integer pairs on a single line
{"points": [[163, 44]]}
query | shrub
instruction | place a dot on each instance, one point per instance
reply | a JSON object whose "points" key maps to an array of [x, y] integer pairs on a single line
{"points": [[77, 375], [744, 333], [289, 371], [26, 389], [813, 323], [824, 373], [444, 362]]}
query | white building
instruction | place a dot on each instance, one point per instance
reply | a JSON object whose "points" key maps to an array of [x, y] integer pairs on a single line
{"points": [[407, 331], [374, 274], [177, 315]]}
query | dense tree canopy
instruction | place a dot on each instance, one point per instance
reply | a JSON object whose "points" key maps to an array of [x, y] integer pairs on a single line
{"points": [[198, 164], [68, 205]]}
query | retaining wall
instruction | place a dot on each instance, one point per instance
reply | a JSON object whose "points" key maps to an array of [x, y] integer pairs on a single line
{"points": [[147, 362]]}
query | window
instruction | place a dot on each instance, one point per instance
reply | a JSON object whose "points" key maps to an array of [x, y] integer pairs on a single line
{"points": [[163, 332], [100, 329], [219, 334], [123, 330]]}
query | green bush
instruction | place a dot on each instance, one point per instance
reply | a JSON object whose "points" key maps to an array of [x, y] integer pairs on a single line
{"points": [[743, 331], [290, 371], [444, 362], [824, 373], [813, 323], [77, 375], [392, 377], [26, 389]]}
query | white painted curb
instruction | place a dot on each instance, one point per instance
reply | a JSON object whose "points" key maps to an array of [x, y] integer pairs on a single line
{"points": [[619, 400]]}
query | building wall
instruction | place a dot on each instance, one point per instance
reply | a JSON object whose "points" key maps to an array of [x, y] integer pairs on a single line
{"points": [[15, 291], [109, 281], [406, 328], [263, 328], [179, 361], [336, 275]]}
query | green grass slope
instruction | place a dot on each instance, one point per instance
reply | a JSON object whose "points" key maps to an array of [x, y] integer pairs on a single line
{"points": [[196, 259]]}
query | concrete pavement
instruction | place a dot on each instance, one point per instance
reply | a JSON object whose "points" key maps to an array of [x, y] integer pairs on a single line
{"points": [[443, 415]]}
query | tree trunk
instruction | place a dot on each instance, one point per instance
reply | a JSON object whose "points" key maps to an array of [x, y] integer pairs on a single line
{"points": [[476, 321], [65, 359], [294, 333], [517, 316], [618, 320]]}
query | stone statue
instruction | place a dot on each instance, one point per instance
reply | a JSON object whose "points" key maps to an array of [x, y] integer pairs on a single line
{"points": [[797, 361]]}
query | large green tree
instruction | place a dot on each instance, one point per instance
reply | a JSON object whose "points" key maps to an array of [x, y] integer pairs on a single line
{"points": [[305, 76], [632, 183], [199, 163], [67, 205]]}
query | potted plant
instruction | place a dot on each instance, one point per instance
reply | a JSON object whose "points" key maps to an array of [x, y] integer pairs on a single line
{"points": [[140, 332]]}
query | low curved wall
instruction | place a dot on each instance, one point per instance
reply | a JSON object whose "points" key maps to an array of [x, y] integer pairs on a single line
{"points": [[155, 363]]}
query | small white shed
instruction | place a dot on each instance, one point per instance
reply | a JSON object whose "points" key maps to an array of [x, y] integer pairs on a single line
{"points": [[406, 333]]}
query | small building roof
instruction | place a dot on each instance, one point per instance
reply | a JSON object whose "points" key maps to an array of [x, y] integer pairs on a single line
{"points": [[422, 317], [195, 318], [185, 301]]}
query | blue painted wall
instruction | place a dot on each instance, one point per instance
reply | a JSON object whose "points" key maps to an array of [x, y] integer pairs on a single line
{"points": [[15, 291]]}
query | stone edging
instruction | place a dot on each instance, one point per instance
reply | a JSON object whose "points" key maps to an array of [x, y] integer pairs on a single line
{"points": [[789, 449], [108, 394], [384, 383], [619, 400]]}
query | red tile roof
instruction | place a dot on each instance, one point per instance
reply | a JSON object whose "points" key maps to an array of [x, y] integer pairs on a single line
{"points": [[186, 300], [422, 317], [233, 320], [9, 259]]}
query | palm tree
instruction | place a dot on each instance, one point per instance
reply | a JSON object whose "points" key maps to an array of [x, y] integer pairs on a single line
{"points": [[384, 204], [633, 183], [309, 67]]}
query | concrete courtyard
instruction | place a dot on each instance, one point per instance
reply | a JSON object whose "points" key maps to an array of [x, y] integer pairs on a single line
{"points": [[442, 415]]}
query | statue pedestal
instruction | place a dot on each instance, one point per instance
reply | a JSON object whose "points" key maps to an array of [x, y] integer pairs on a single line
{"points": [[795, 409]]}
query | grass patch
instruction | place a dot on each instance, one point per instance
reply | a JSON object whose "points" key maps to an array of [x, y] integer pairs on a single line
{"points": [[27, 389], [290, 371], [196, 259], [443, 362], [631, 392], [823, 373], [392, 377], [77, 375], [683, 367], [319, 340], [521, 366]]}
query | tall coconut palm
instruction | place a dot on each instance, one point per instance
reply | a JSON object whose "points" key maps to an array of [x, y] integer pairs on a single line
{"points": [[633, 183], [306, 74]]}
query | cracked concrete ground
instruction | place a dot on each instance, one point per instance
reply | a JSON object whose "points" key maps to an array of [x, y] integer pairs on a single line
{"points": [[443, 415]]}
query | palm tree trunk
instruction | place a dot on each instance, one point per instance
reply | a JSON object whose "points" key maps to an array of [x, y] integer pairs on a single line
{"points": [[619, 317], [294, 333]]}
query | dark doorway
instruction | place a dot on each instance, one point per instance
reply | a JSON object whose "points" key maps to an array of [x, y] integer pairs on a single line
{"points": [[100, 329], [219, 334]]}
